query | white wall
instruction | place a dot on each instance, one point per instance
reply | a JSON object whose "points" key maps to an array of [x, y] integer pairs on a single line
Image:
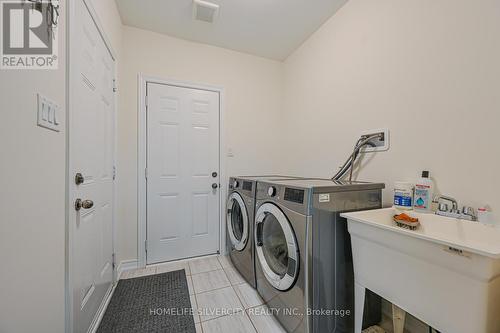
{"points": [[253, 96], [32, 201], [427, 70]]}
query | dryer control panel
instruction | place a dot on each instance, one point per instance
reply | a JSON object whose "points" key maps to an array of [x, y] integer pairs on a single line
{"points": [[294, 195]]}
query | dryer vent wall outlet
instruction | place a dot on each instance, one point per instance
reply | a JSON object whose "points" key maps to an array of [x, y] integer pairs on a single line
{"points": [[381, 144]]}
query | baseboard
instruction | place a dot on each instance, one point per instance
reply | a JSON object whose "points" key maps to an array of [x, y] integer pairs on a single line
{"points": [[126, 265]]}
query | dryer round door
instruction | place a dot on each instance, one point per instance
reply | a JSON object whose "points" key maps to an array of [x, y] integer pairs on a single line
{"points": [[237, 221], [276, 247]]}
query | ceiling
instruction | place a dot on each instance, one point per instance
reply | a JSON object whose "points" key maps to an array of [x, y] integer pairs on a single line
{"points": [[267, 28]]}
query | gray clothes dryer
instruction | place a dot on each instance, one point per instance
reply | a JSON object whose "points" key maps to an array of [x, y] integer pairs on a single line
{"points": [[303, 258], [240, 221]]}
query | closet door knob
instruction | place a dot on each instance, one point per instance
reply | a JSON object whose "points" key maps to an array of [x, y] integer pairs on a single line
{"points": [[85, 204]]}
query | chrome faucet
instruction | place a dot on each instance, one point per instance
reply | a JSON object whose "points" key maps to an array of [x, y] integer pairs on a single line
{"points": [[467, 213], [444, 207]]}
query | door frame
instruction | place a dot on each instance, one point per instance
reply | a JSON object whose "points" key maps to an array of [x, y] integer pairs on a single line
{"points": [[142, 81], [71, 77]]}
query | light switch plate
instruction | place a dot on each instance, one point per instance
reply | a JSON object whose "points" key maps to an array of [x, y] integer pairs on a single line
{"points": [[47, 113]]}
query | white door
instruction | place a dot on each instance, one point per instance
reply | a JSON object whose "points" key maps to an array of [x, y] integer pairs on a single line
{"points": [[182, 172], [91, 155]]}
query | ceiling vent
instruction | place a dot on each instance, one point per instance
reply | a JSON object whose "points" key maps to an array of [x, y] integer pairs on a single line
{"points": [[205, 11]]}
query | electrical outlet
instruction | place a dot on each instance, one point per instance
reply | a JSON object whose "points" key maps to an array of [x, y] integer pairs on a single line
{"points": [[47, 113], [381, 144]]}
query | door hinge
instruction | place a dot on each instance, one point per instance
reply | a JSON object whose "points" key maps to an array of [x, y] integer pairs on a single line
{"points": [[146, 173], [146, 245], [114, 172], [113, 260], [146, 101], [115, 88]]}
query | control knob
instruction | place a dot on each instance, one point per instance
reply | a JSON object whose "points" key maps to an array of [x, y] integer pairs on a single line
{"points": [[271, 191]]}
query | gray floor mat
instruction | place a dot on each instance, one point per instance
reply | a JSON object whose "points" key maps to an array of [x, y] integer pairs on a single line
{"points": [[155, 303]]}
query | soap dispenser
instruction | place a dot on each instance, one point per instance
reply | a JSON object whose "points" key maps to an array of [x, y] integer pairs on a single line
{"points": [[424, 192]]}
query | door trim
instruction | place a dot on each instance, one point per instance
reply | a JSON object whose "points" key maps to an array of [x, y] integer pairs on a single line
{"points": [[71, 76], [142, 81]]}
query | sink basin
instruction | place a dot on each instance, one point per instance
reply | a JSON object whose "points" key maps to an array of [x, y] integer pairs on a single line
{"points": [[446, 273], [467, 235]]}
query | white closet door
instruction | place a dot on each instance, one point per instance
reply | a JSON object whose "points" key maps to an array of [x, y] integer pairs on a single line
{"points": [[91, 155], [182, 172]]}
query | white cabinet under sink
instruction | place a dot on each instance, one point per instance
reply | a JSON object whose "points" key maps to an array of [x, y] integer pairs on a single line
{"points": [[446, 273]]}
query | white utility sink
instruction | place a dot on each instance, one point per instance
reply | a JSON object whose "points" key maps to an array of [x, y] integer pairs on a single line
{"points": [[446, 273]]}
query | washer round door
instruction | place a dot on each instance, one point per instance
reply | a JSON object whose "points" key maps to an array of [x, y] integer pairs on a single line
{"points": [[276, 247], [237, 221]]}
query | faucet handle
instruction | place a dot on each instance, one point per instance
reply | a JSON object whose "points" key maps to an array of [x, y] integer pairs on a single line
{"points": [[443, 207], [469, 211], [454, 203]]}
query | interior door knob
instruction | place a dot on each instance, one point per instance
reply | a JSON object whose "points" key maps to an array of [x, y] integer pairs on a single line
{"points": [[85, 204], [215, 185]]}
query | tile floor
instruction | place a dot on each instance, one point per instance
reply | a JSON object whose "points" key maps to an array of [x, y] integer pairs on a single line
{"points": [[225, 301]]}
